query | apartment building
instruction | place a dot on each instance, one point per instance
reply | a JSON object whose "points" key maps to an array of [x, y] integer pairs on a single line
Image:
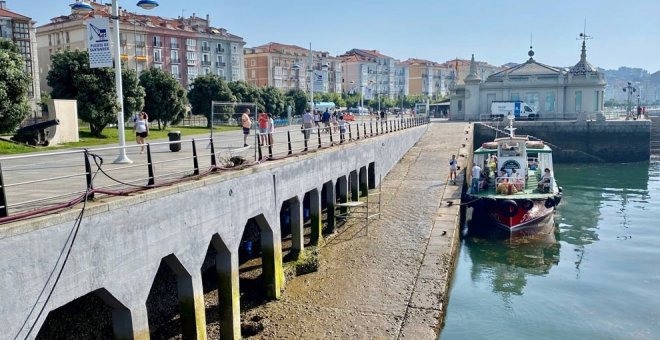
{"points": [[289, 67], [185, 47], [426, 78], [457, 69], [20, 29], [374, 74]]}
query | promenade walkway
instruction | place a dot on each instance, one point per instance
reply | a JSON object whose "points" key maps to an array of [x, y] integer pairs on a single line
{"points": [[390, 283]]}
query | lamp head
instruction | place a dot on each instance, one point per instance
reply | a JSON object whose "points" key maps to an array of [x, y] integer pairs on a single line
{"points": [[81, 7], [147, 4]]}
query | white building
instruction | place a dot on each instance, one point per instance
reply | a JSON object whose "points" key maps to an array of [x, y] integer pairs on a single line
{"points": [[555, 92], [374, 74]]}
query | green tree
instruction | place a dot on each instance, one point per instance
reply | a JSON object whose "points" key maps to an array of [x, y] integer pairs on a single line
{"points": [[9, 46], [611, 102], [298, 100], [165, 101], [206, 89], [14, 84], [274, 101], [94, 88]]}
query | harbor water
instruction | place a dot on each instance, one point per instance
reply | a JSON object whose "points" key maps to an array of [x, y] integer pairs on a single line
{"points": [[597, 276]]}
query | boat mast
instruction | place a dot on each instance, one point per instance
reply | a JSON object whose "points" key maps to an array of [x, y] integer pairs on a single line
{"points": [[511, 129]]}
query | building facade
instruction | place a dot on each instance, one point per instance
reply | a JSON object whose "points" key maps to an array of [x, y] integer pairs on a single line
{"points": [[184, 47], [457, 69], [552, 91], [20, 29], [426, 78], [374, 74], [289, 67]]}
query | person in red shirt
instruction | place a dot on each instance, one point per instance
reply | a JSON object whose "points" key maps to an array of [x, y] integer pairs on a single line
{"points": [[263, 127]]}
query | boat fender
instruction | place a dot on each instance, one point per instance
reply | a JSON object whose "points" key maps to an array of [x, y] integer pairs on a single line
{"points": [[557, 200], [549, 203], [509, 208], [527, 204]]}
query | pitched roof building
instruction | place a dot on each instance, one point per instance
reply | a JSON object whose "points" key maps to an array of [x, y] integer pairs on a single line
{"points": [[426, 78], [373, 74], [554, 92]]}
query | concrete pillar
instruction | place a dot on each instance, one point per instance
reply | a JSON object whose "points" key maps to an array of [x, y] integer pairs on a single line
{"points": [[315, 216], [330, 200], [297, 231], [191, 304], [271, 259], [343, 193], [355, 188], [364, 184], [229, 295]]}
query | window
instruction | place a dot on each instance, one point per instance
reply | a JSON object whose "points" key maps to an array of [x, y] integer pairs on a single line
{"points": [[174, 56], [192, 73], [596, 101], [515, 96], [50, 40], [207, 71], [253, 73], [578, 101], [460, 105], [175, 71], [158, 66], [191, 44], [253, 62], [550, 102], [174, 43], [157, 42], [532, 98], [221, 59], [67, 38], [221, 72], [205, 46], [139, 51], [158, 57]]}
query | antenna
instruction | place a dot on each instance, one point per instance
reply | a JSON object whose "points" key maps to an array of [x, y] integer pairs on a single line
{"points": [[583, 36], [531, 40]]}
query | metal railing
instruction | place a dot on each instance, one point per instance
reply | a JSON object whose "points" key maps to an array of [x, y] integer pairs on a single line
{"points": [[36, 184]]}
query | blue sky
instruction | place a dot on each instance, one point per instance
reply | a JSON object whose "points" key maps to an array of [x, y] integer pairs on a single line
{"points": [[497, 31]]}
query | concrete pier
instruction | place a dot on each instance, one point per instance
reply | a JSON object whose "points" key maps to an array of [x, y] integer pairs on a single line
{"points": [[393, 281]]}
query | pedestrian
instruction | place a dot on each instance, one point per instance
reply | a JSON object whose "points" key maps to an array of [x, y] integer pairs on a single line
{"points": [[271, 130], [246, 123], [263, 127], [317, 118], [453, 166], [141, 127], [476, 173], [342, 128], [335, 122], [307, 124], [326, 121], [639, 112]]}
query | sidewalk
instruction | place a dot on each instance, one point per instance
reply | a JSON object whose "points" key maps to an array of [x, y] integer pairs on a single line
{"points": [[390, 283]]}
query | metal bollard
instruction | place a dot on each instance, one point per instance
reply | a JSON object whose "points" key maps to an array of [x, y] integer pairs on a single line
{"points": [[371, 129], [318, 132], [350, 134], [4, 211], [288, 137], [214, 163], [195, 162], [150, 167], [88, 178]]}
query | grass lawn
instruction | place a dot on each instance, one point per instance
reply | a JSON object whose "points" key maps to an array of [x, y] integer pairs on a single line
{"points": [[109, 137]]}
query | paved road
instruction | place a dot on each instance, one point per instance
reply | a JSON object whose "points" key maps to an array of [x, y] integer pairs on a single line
{"points": [[390, 283], [41, 179]]}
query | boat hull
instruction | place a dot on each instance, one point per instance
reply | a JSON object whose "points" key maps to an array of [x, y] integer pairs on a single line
{"points": [[517, 217]]}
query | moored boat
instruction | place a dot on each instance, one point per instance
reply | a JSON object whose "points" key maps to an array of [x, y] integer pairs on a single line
{"points": [[516, 190]]}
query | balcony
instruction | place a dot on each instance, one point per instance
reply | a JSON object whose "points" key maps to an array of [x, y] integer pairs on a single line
{"points": [[140, 44], [175, 61], [220, 64], [158, 44], [141, 58], [191, 62], [158, 59], [174, 46], [206, 63], [191, 47], [219, 50], [206, 48]]}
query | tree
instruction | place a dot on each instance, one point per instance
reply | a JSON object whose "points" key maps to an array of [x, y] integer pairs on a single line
{"points": [[94, 88], [298, 100], [14, 84], [133, 92], [206, 89], [165, 101], [611, 102], [274, 101]]}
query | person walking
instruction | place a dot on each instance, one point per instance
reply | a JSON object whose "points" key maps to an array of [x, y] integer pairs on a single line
{"points": [[263, 127], [246, 123], [307, 124], [453, 166], [271, 130], [335, 123], [342, 128], [141, 128], [326, 121], [317, 118]]}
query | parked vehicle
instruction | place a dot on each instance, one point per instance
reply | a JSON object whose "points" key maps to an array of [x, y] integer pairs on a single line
{"points": [[519, 110]]}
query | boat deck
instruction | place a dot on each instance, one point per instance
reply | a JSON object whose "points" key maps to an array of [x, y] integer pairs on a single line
{"points": [[530, 191]]}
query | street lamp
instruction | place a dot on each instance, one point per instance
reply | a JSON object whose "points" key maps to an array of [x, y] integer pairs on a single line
{"points": [[630, 90], [83, 7]]}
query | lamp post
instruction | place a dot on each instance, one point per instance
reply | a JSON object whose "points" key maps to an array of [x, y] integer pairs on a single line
{"points": [[83, 7], [630, 90]]}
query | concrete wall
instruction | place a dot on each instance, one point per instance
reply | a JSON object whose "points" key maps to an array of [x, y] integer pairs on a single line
{"points": [[121, 241], [67, 112], [584, 142]]}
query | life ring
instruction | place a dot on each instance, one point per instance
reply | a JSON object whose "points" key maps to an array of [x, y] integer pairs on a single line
{"points": [[549, 203], [527, 204], [509, 208]]}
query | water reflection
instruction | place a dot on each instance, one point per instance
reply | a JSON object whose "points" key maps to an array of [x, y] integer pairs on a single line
{"points": [[506, 264]]}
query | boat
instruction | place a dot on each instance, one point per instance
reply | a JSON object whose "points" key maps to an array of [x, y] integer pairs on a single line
{"points": [[514, 194]]}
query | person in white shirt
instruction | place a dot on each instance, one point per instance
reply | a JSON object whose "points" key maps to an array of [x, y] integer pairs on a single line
{"points": [[307, 123], [453, 166], [342, 128], [271, 130], [476, 174], [141, 128]]}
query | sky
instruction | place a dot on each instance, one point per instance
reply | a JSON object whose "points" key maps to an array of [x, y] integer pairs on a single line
{"points": [[625, 33]]}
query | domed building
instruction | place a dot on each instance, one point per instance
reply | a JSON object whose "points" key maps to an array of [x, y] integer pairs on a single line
{"points": [[555, 92]]}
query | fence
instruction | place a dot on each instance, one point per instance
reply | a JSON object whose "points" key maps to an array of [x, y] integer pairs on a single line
{"points": [[37, 184]]}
